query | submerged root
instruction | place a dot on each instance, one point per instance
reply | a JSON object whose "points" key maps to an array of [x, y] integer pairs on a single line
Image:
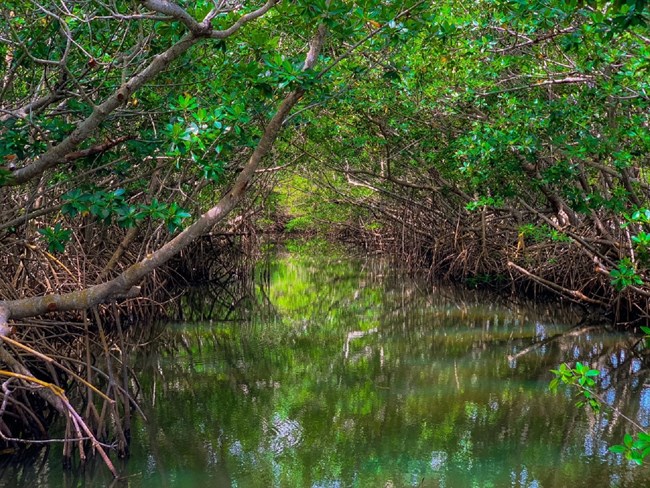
{"points": [[491, 249], [67, 379]]}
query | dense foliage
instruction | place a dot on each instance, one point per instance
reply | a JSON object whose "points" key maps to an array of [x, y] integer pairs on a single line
{"points": [[505, 141], [525, 121]]}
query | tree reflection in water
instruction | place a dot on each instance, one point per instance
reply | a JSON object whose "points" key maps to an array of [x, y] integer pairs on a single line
{"points": [[350, 374], [347, 373]]}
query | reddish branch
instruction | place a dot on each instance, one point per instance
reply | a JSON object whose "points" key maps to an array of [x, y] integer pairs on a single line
{"points": [[574, 294], [98, 149], [125, 283]]}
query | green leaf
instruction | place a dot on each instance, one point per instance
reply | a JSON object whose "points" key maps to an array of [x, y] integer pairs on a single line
{"points": [[643, 436], [618, 449]]}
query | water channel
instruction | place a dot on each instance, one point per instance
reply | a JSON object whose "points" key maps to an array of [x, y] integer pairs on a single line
{"points": [[346, 373]]}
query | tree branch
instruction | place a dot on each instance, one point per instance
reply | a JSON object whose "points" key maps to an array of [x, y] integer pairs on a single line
{"points": [[173, 10], [98, 149], [244, 19], [574, 294], [85, 128], [57, 154], [122, 284]]}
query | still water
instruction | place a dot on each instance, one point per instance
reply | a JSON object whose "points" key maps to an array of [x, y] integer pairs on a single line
{"points": [[345, 373]]}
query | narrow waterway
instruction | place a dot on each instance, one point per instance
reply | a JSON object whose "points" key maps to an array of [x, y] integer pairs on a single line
{"points": [[345, 373]]}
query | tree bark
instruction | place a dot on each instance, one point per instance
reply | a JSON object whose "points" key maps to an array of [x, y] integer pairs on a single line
{"points": [[85, 129], [125, 283]]}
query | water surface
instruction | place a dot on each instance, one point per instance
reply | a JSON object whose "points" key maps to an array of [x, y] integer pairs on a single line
{"points": [[343, 373]]}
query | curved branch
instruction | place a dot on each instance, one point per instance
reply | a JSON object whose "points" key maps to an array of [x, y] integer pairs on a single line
{"points": [[173, 10], [203, 28], [57, 154], [85, 128], [244, 19], [125, 283]]}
